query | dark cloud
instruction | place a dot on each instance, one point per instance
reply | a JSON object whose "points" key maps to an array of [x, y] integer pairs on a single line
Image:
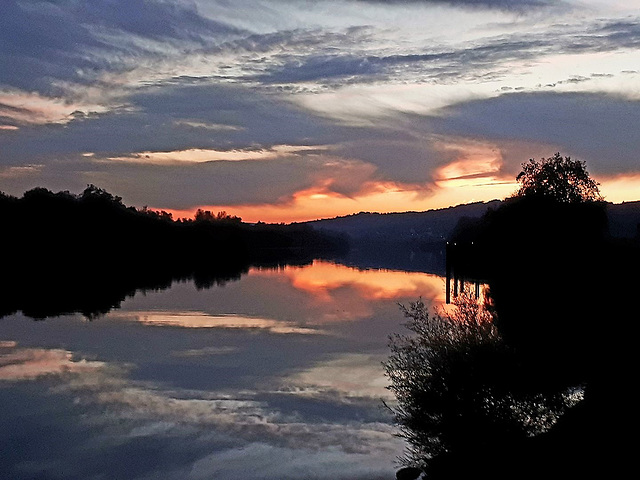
{"points": [[499, 4], [466, 61], [598, 128], [324, 68], [244, 98], [46, 40], [213, 183], [161, 120], [154, 121], [440, 65], [181, 186]]}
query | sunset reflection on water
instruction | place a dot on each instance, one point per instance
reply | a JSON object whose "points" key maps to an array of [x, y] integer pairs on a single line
{"points": [[284, 362], [353, 291]]}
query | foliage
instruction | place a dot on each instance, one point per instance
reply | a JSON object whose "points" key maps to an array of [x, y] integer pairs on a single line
{"points": [[99, 194], [85, 253], [459, 388], [208, 216], [557, 178]]}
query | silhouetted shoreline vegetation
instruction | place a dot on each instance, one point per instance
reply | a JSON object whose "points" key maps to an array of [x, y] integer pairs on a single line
{"points": [[85, 253], [564, 324]]}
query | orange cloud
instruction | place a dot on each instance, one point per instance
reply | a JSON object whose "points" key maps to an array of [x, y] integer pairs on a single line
{"points": [[621, 188]]}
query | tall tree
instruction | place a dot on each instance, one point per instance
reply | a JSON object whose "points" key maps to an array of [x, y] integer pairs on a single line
{"points": [[557, 178]]}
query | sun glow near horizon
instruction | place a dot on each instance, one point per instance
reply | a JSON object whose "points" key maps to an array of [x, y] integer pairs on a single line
{"points": [[458, 184], [314, 204]]}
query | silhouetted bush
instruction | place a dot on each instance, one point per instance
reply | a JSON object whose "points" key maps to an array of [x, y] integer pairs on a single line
{"points": [[462, 392]]}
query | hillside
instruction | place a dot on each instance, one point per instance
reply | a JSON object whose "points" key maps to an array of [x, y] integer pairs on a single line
{"points": [[624, 219], [412, 241], [432, 226], [415, 241]]}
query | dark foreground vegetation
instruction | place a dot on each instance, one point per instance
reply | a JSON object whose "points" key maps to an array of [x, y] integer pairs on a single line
{"points": [[536, 383], [66, 253]]}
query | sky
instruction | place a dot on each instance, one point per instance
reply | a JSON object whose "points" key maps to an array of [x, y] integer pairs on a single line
{"points": [[283, 110]]}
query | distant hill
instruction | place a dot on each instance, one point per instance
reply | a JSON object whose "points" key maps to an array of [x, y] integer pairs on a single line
{"points": [[437, 225], [415, 241], [412, 241], [624, 219], [431, 226]]}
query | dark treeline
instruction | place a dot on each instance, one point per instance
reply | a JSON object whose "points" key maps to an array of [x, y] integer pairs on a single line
{"points": [[561, 291], [85, 253]]}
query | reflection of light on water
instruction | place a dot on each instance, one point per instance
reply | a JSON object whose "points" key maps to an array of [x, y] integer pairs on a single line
{"points": [[352, 374], [318, 405], [322, 279], [18, 364], [205, 320], [144, 409], [204, 352]]}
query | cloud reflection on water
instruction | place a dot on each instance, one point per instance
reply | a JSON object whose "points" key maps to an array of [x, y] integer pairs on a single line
{"points": [[352, 374], [204, 320], [17, 364], [228, 380], [351, 293], [125, 410], [323, 278]]}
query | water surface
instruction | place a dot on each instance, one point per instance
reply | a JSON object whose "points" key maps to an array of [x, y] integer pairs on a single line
{"points": [[275, 376]]}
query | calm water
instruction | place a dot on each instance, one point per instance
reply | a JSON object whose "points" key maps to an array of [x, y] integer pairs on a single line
{"points": [[275, 376]]}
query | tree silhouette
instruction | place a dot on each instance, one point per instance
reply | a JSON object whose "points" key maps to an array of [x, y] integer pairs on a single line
{"points": [[558, 178], [208, 216], [461, 391], [557, 283], [85, 253]]}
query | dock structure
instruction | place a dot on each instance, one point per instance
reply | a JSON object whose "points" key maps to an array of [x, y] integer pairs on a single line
{"points": [[457, 257]]}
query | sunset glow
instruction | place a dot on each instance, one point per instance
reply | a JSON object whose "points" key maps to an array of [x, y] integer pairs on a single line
{"points": [[282, 111], [348, 293], [314, 204]]}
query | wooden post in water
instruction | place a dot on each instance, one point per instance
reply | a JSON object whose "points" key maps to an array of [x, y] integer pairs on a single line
{"points": [[455, 284], [447, 254]]}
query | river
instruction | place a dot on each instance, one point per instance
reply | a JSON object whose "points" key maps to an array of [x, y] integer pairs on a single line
{"points": [[274, 376]]}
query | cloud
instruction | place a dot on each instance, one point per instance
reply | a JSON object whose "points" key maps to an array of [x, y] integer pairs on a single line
{"points": [[127, 412], [498, 4], [597, 128], [354, 374], [154, 121], [47, 41], [259, 415], [200, 155]]}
